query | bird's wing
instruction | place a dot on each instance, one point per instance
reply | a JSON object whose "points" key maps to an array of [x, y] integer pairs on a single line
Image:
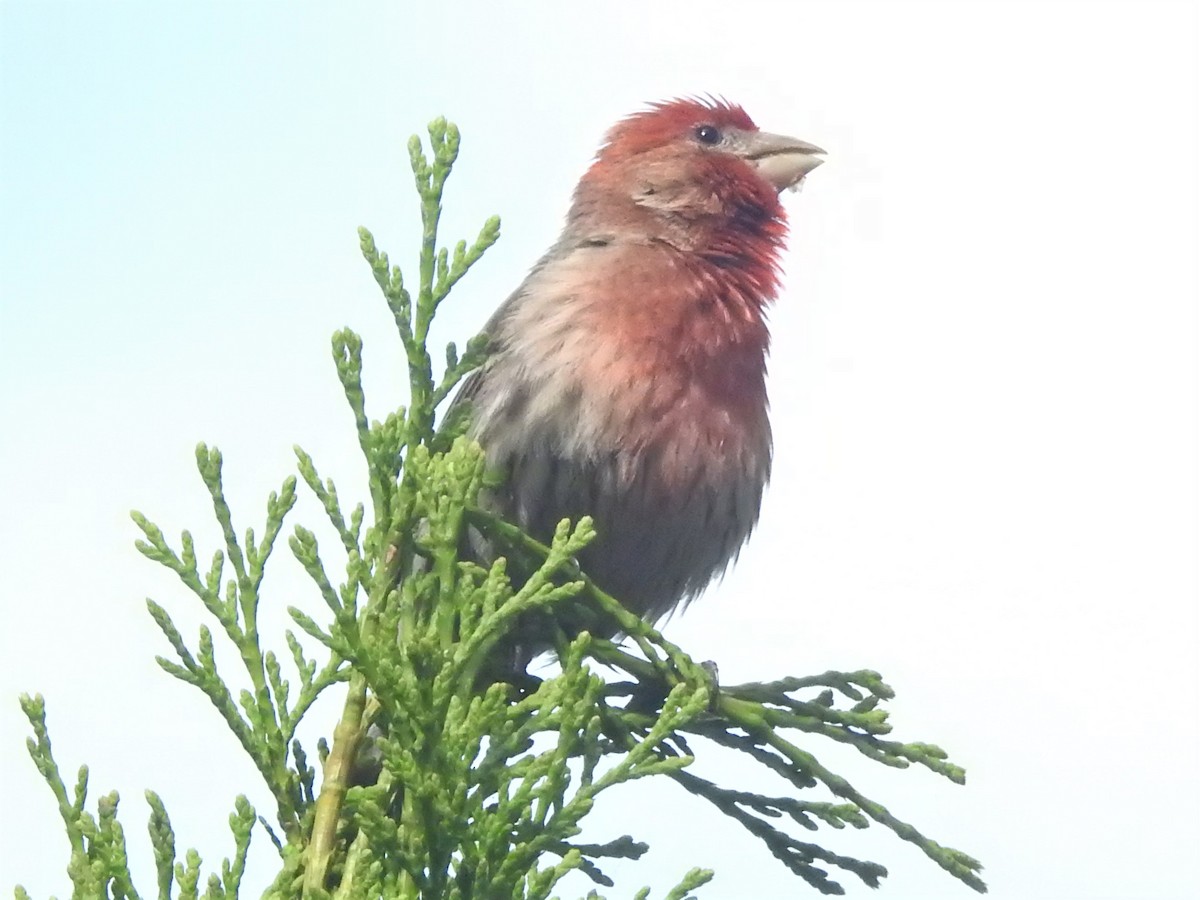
{"points": [[494, 329], [473, 382]]}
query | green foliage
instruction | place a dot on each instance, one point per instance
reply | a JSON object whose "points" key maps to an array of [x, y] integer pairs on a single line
{"points": [[442, 782]]}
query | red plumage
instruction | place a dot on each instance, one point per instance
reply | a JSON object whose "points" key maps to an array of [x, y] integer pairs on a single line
{"points": [[627, 373], [663, 122]]}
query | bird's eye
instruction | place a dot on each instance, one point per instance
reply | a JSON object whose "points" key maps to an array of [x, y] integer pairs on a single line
{"points": [[708, 134]]}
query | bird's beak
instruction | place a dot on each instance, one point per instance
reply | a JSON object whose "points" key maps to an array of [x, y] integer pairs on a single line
{"points": [[783, 161]]}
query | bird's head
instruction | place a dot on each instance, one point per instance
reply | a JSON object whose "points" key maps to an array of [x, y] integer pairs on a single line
{"points": [[692, 164]]}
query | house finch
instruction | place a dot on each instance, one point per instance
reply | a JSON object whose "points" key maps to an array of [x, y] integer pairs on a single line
{"points": [[626, 379]]}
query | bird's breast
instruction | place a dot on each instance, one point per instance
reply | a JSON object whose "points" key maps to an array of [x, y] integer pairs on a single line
{"points": [[638, 399]]}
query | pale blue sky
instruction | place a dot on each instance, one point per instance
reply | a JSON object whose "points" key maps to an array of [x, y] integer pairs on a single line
{"points": [[984, 381]]}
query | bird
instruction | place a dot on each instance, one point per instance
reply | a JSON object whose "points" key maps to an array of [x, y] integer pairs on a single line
{"points": [[626, 376]]}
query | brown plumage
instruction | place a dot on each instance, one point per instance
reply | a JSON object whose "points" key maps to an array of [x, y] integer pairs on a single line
{"points": [[627, 373]]}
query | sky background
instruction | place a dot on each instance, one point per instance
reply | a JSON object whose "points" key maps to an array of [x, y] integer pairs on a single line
{"points": [[983, 382]]}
